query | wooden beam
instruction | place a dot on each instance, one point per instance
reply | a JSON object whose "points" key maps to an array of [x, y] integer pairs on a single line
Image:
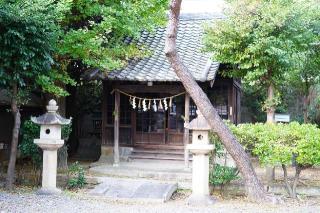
{"points": [[186, 131], [116, 128], [170, 89]]}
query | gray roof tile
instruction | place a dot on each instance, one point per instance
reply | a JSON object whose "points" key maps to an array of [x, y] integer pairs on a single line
{"points": [[156, 67]]}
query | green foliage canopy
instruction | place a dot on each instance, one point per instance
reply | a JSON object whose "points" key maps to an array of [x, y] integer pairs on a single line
{"points": [[29, 33], [259, 38], [267, 43], [99, 33]]}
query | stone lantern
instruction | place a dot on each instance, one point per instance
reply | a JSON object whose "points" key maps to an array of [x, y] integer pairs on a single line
{"points": [[200, 149], [50, 141]]}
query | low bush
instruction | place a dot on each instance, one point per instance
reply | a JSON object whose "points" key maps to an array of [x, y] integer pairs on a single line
{"points": [[222, 175], [292, 144], [76, 177], [281, 145]]}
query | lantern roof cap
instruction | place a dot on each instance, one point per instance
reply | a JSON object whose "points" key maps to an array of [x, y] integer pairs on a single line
{"points": [[51, 117], [199, 123]]}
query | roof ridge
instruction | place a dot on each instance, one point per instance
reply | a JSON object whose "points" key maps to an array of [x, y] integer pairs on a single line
{"points": [[201, 16]]}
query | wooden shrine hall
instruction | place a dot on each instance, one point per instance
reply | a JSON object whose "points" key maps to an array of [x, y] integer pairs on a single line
{"points": [[145, 106]]}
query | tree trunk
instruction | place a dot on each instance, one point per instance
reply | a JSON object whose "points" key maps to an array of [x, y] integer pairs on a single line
{"points": [[296, 180], [63, 157], [270, 109], [15, 136], [305, 108], [254, 187], [286, 181], [270, 171]]}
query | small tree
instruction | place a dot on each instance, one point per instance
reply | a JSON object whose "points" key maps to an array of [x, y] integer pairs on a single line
{"points": [[286, 145], [28, 34], [260, 40]]}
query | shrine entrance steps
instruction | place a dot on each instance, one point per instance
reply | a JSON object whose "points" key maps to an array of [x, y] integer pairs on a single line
{"points": [[158, 152], [167, 171]]}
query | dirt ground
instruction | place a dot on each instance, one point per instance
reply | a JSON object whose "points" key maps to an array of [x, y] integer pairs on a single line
{"points": [[25, 200]]}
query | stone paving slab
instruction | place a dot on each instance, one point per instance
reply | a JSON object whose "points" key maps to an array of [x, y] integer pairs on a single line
{"points": [[117, 188], [169, 171]]}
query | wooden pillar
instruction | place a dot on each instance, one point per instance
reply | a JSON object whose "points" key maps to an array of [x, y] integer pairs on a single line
{"points": [[186, 130], [230, 101], [116, 128], [104, 115]]}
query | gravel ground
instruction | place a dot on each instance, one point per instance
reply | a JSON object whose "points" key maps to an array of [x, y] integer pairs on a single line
{"points": [[71, 202]]}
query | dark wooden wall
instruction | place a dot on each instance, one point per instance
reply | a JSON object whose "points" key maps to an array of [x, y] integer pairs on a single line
{"points": [[228, 89]]}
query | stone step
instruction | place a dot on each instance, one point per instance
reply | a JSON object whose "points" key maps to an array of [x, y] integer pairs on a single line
{"points": [[159, 147], [158, 157], [159, 151]]}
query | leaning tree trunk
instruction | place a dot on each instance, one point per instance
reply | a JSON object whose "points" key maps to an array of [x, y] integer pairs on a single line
{"points": [[15, 136], [254, 187]]}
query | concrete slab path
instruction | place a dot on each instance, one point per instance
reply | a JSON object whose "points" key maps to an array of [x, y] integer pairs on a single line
{"points": [[136, 190]]}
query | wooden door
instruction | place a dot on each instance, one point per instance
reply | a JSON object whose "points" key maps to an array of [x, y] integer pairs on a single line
{"points": [[150, 127], [161, 127], [175, 122]]}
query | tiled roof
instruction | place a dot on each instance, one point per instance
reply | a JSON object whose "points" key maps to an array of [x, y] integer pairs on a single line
{"points": [[156, 67]]}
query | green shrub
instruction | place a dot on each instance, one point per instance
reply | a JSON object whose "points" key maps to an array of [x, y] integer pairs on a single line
{"points": [[66, 131], [218, 147], [280, 145], [284, 143], [222, 175], [76, 178], [28, 148]]}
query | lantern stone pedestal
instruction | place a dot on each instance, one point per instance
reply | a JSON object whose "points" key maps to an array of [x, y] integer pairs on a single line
{"points": [[200, 174], [200, 149], [49, 170], [50, 141]]}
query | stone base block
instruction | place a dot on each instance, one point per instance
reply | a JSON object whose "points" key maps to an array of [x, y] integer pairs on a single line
{"points": [[107, 153], [200, 200], [47, 191]]}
